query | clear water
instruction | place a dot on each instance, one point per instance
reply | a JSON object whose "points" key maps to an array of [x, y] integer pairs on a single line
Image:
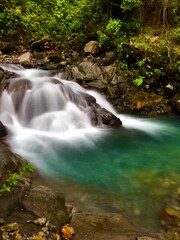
{"points": [[133, 170]]}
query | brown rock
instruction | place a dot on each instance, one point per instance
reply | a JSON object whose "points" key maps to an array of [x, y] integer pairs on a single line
{"points": [[91, 47], [44, 202]]}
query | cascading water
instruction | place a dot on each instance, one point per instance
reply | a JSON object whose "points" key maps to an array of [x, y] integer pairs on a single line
{"points": [[50, 123]]}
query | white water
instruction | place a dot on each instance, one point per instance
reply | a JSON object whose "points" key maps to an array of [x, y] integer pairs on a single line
{"points": [[41, 115]]}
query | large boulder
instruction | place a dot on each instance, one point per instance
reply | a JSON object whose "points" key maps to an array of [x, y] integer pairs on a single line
{"points": [[42, 201], [10, 164]]}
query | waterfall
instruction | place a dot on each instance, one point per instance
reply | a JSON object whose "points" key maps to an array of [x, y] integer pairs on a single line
{"points": [[43, 112]]}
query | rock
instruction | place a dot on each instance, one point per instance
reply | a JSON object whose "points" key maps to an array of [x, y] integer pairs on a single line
{"points": [[76, 74], [108, 58], [169, 87], [25, 57], [91, 47], [108, 118], [90, 70], [176, 102], [97, 85], [1, 75], [3, 131], [40, 45], [56, 58], [44, 202], [11, 163], [110, 71]]}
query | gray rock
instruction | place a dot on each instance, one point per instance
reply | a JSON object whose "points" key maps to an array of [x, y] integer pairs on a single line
{"points": [[91, 70]]}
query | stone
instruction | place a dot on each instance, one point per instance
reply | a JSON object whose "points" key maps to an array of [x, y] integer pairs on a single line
{"points": [[3, 130], [108, 58], [110, 70], [91, 47], [25, 57], [76, 74], [97, 85], [91, 70], [56, 58], [44, 202], [108, 118]]}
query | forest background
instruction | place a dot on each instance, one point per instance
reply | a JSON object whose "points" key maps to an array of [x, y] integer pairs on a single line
{"points": [[150, 27]]}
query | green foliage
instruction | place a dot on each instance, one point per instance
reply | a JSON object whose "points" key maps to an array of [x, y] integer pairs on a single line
{"points": [[12, 179], [60, 19], [138, 81], [5, 188], [28, 168], [112, 34], [129, 5]]}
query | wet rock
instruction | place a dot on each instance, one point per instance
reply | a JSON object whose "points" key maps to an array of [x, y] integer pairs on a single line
{"points": [[91, 47], [44, 202], [3, 130], [108, 118], [1, 75]]}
